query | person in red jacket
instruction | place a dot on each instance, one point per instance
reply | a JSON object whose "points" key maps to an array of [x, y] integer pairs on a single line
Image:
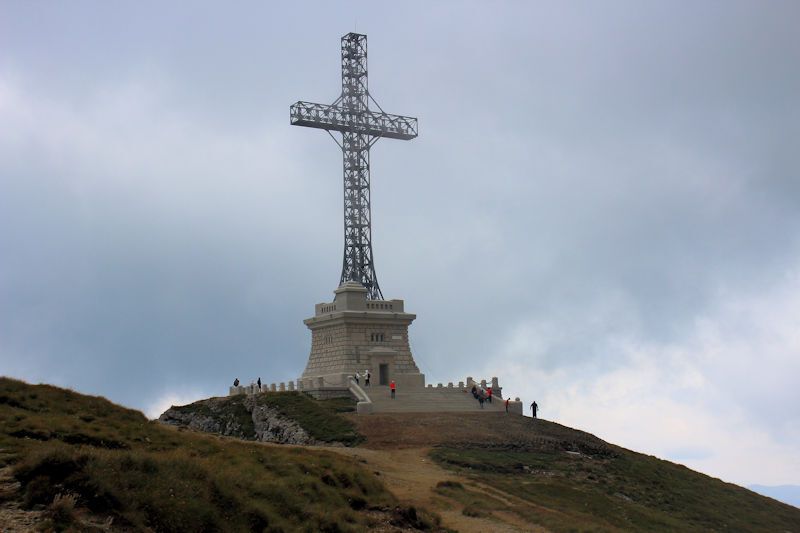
{"points": [[392, 387], [489, 394]]}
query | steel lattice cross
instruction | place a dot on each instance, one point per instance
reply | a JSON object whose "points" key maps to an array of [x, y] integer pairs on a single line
{"points": [[360, 128]]}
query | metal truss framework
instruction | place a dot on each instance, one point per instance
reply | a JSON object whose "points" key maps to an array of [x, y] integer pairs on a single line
{"points": [[360, 128]]}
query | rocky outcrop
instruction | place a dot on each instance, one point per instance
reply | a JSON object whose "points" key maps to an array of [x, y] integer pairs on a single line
{"points": [[271, 427], [240, 417], [213, 419]]}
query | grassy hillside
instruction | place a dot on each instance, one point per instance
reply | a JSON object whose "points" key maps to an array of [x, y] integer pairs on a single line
{"points": [[83, 459], [568, 480]]}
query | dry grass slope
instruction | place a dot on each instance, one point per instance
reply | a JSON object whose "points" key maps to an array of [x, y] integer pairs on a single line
{"points": [[568, 480], [80, 456]]}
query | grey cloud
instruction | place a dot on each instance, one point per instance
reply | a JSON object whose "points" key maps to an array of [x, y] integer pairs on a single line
{"points": [[586, 173]]}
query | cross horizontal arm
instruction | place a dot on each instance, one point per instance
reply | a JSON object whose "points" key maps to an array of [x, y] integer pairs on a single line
{"points": [[328, 117]]}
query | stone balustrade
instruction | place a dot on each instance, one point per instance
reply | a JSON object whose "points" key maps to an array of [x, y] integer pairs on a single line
{"points": [[319, 387], [253, 388]]}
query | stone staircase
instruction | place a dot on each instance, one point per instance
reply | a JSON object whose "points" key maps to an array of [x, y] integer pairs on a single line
{"points": [[428, 400]]}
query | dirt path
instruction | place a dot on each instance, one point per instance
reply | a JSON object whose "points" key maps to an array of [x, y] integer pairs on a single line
{"points": [[412, 477]]}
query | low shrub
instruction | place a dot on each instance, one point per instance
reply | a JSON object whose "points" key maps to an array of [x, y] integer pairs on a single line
{"points": [[411, 517], [474, 512], [61, 511]]}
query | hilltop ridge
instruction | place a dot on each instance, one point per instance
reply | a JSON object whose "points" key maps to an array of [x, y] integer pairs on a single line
{"points": [[70, 460]]}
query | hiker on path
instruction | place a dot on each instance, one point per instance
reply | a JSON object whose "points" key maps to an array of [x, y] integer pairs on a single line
{"points": [[475, 392], [392, 387], [259, 383], [481, 400], [489, 394], [366, 377], [357, 376], [534, 409], [507, 400], [236, 382]]}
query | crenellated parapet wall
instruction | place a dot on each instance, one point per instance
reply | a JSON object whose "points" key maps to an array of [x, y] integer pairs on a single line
{"points": [[493, 383], [318, 388], [338, 381], [345, 386]]}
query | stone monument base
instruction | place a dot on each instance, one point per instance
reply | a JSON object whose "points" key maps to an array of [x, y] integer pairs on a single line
{"points": [[354, 335]]}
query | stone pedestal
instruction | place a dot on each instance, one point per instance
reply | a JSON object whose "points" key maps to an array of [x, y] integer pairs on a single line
{"points": [[353, 334]]}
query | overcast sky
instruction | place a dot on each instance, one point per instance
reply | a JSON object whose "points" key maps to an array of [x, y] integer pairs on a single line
{"points": [[602, 206]]}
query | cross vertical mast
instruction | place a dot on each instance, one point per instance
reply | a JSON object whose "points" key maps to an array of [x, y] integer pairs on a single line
{"points": [[357, 263], [360, 128]]}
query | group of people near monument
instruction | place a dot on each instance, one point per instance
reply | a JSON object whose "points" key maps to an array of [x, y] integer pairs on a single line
{"points": [[485, 395], [257, 382], [367, 377], [481, 394], [478, 392]]}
